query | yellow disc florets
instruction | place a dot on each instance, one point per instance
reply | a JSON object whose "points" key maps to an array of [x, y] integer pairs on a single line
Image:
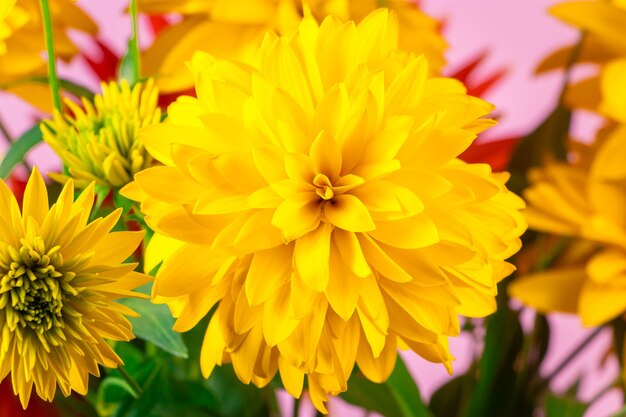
{"points": [[33, 288], [99, 142]]}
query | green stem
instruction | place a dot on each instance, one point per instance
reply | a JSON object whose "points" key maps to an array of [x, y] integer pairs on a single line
{"points": [[134, 42], [296, 407], [130, 380], [575, 352], [5, 133], [615, 384], [571, 60], [52, 69]]}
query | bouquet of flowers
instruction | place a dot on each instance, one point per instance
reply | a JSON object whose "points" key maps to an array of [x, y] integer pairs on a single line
{"points": [[267, 200]]}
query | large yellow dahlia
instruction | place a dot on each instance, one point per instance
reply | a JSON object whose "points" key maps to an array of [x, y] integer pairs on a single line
{"points": [[320, 204], [234, 29], [22, 44], [59, 278], [99, 142], [586, 201]]}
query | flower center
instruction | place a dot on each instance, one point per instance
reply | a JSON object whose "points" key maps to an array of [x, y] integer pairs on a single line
{"points": [[323, 187], [33, 290]]}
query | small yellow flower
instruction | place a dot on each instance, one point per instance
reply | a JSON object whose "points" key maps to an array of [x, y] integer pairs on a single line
{"points": [[59, 279], [318, 198], [100, 142], [241, 24], [585, 201], [22, 44]]}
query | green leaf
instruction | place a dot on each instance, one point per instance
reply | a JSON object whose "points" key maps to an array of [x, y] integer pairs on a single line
{"points": [[18, 150], [495, 374], [564, 407], [397, 397], [451, 399], [235, 398], [122, 202], [126, 70], [155, 325]]}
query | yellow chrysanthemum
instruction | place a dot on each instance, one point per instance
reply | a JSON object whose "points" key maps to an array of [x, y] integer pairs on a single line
{"points": [[22, 45], [59, 278], [317, 198], [234, 29], [100, 142], [586, 201]]}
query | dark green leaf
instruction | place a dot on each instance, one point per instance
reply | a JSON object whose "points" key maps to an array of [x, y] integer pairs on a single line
{"points": [[451, 399], [495, 375], [18, 150], [397, 397], [155, 325], [564, 407], [236, 399]]}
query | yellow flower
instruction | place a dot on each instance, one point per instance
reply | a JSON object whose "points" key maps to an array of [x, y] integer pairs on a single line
{"points": [[316, 196], [234, 29], [604, 45], [585, 201], [5, 29], [100, 143], [22, 45], [59, 278]]}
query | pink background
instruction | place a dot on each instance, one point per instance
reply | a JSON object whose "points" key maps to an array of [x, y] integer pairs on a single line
{"points": [[517, 33]]}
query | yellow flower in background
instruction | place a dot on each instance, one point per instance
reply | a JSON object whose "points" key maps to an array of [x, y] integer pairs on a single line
{"points": [[22, 45], [316, 196], [234, 29], [585, 201], [59, 279], [5, 29], [99, 142], [604, 45]]}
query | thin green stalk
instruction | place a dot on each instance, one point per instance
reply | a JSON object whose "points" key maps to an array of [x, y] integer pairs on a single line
{"points": [[134, 42], [52, 69], [571, 61], [613, 385], [130, 380], [573, 354], [5, 133]]}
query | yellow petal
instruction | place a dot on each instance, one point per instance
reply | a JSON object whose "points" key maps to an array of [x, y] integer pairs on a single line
{"points": [[556, 290], [311, 257], [269, 270], [349, 213], [410, 233]]}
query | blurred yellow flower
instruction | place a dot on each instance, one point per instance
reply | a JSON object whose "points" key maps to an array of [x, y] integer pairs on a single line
{"points": [[316, 195], [5, 29], [234, 29], [604, 45], [22, 45], [59, 278], [585, 201], [99, 142]]}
